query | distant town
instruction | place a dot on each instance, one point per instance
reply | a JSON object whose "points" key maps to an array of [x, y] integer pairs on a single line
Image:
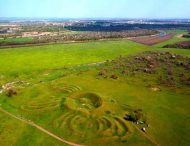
{"points": [[15, 25]]}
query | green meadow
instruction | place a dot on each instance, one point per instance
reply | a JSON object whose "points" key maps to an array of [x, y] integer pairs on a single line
{"points": [[16, 40], [28, 59], [58, 87]]}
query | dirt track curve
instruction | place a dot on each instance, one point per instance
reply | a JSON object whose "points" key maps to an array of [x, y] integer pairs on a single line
{"points": [[148, 137], [31, 123]]}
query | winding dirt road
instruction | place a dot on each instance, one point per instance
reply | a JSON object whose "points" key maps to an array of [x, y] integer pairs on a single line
{"points": [[31, 123], [148, 137]]}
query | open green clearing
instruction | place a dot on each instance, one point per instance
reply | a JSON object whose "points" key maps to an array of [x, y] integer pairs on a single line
{"points": [[28, 59], [76, 104], [16, 40]]}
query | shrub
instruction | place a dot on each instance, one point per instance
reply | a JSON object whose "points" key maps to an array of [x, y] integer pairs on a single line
{"points": [[135, 116], [10, 92]]}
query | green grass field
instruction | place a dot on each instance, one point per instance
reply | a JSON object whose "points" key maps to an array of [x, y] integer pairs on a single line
{"points": [[16, 40], [71, 102], [29, 59]]}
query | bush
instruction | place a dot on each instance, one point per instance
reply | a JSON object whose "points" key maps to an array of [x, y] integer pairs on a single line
{"points": [[62, 104], [114, 76], [10, 92], [131, 117], [135, 116]]}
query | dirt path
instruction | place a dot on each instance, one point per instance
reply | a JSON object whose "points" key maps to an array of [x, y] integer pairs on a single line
{"points": [[31, 123], [148, 137]]}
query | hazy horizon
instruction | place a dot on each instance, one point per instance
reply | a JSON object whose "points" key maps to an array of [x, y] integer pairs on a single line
{"points": [[95, 18], [90, 9]]}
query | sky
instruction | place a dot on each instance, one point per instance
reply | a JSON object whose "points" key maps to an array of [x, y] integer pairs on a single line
{"points": [[95, 8]]}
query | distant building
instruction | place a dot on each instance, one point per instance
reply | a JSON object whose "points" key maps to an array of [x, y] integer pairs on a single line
{"points": [[3, 31], [35, 34]]}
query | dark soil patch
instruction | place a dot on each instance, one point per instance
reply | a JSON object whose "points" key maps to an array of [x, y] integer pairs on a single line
{"points": [[181, 45], [187, 35]]}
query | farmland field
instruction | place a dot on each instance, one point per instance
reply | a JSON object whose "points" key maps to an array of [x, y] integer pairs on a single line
{"points": [[152, 40], [95, 93]]}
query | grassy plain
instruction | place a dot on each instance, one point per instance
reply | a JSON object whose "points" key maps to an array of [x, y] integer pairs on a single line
{"points": [[73, 103], [28, 59], [16, 40]]}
